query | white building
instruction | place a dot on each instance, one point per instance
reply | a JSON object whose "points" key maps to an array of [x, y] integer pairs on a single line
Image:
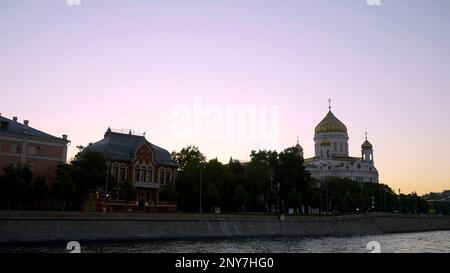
{"points": [[331, 154]]}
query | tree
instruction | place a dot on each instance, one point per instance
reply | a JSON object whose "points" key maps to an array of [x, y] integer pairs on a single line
{"points": [[15, 183], [291, 174], [168, 193], [38, 190], [294, 198], [348, 202], [186, 155], [89, 172], [187, 185], [240, 197], [128, 191], [64, 188], [212, 195]]}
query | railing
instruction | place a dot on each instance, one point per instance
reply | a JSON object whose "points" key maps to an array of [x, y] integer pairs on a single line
{"points": [[127, 131], [152, 185]]}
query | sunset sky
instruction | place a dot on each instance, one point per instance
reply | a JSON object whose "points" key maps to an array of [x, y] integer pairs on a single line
{"points": [[76, 70]]}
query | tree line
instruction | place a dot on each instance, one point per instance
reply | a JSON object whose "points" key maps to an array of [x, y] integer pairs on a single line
{"points": [[271, 182]]}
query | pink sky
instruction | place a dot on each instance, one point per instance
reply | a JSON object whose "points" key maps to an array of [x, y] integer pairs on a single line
{"points": [[127, 64]]}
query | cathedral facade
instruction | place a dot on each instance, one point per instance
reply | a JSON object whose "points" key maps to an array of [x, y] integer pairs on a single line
{"points": [[332, 158]]}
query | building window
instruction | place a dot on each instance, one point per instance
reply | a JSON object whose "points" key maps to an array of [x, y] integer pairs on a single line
{"points": [[122, 172], [115, 172], [136, 174], [161, 177], [31, 150], [334, 144], [4, 125], [167, 177], [150, 174], [14, 148], [143, 175], [31, 166], [340, 144], [328, 153]]}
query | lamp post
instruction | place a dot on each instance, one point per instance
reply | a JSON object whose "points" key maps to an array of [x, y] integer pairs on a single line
{"points": [[108, 166], [201, 166], [326, 196], [373, 203]]}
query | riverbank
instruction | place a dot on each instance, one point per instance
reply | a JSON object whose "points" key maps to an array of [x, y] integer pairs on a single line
{"points": [[39, 226]]}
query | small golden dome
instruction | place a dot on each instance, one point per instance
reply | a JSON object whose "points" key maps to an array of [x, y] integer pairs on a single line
{"points": [[325, 141], [330, 124], [366, 145]]}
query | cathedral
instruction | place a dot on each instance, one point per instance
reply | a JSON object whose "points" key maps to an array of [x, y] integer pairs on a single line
{"points": [[332, 157]]}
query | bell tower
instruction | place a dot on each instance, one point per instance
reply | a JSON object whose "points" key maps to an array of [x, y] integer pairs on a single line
{"points": [[367, 151]]}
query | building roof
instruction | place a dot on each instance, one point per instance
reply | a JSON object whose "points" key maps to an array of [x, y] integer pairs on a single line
{"points": [[366, 145], [15, 128], [330, 124], [119, 146]]}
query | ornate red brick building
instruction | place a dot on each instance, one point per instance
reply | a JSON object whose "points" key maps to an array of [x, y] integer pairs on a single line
{"points": [[131, 158]]}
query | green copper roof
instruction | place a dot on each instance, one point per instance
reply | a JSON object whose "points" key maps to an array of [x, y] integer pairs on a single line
{"points": [[119, 146]]}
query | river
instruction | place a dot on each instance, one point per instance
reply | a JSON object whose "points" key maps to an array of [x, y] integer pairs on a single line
{"points": [[428, 242]]}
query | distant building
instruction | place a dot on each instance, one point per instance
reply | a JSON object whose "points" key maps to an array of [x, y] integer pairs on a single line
{"points": [[438, 196], [20, 143], [131, 158], [332, 156]]}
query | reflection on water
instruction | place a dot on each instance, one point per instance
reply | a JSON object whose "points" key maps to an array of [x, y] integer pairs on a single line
{"points": [[437, 241]]}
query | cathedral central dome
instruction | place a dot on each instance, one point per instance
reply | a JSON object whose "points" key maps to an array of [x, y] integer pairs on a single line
{"points": [[330, 124]]}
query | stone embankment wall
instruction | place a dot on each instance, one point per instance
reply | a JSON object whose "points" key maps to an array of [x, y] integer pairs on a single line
{"points": [[33, 226]]}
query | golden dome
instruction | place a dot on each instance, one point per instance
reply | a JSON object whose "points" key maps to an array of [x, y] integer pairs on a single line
{"points": [[366, 145], [325, 141], [329, 124]]}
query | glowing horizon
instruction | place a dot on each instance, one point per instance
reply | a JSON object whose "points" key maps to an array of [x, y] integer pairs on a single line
{"points": [[78, 70]]}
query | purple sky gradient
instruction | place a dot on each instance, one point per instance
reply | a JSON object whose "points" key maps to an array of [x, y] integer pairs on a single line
{"points": [[79, 69]]}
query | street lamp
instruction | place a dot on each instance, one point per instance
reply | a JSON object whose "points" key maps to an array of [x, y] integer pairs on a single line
{"points": [[201, 166], [108, 167]]}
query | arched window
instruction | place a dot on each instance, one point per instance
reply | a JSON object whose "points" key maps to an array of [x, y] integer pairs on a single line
{"points": [[115, 171], [137, 173], [328, 153], [123, 170], [143, 177], [161, 176], [167, 176], [150, 174]]}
